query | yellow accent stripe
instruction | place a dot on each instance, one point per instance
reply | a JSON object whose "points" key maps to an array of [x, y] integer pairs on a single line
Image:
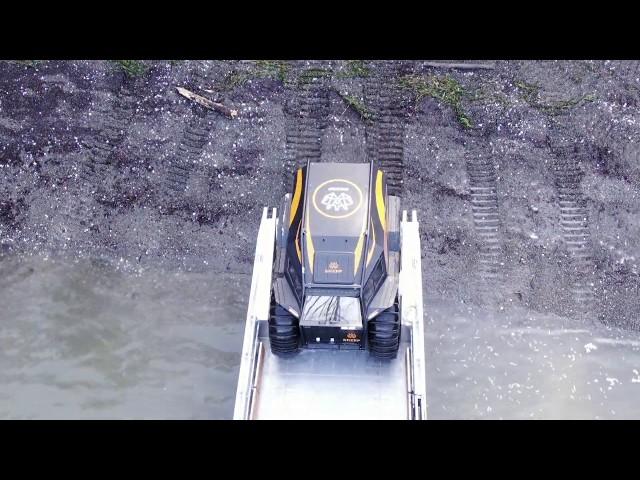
{"points": [[297, 242], [359, 245], [358, 253], [380, 202], [296, 197], [310, 249], [373, 244]]}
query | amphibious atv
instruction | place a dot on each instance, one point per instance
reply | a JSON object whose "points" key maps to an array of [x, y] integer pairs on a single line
{"points": [[337, 263]]}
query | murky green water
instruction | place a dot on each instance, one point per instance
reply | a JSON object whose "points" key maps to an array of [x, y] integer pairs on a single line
{"points": [[80, 340], [84, 340]]}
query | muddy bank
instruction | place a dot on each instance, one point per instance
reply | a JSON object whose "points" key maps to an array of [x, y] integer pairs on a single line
{"points": [[526, 176]]}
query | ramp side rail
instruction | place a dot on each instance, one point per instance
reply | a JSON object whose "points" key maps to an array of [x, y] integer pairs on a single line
{"points": [[410, 289], [258, 309]]}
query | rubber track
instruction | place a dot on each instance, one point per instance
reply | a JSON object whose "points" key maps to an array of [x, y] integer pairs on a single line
{"points": [[284, 333], [384, 333]]}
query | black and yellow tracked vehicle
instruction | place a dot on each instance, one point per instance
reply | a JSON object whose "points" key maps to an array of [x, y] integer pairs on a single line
{"points": [[334, 323], [337, 262]]}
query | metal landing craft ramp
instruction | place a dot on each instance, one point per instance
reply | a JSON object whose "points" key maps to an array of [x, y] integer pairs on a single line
{"points": [[332, 384]]}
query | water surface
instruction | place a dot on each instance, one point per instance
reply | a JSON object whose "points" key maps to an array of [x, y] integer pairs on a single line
{"points": [[84, 340], [81, 339]]}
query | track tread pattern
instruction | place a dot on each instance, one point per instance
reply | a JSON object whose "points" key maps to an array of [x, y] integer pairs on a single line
{"points": [[487, 222], [384, 131], [184, 166], [284, 331], [91, 190], [574, 225], [383, 333], [306, 118]]}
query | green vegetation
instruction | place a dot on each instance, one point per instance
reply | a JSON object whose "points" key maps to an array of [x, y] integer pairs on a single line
{"points": [[443, 88], [355, 69], [30, 63], [307, 76], [357, 104], [530, 93], [133, 68], [275, 69], [281, 70], [234, 80], [555, 108], [484, 94], [272, 69]]}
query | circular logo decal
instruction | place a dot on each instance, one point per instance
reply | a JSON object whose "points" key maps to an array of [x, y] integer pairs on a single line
{"points": [[337, 198]]}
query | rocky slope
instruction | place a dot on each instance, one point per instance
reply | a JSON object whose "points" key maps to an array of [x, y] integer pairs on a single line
{"points": [[526, 176]]}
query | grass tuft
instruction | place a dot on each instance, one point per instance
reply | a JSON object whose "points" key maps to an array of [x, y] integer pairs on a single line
{"points": [[275, 69], [357, 104], [234, 79], [530, 93], [355, 69], [133, 68], [443, 88], [272, 69]]}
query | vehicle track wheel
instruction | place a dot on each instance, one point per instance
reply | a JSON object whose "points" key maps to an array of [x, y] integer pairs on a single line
{"points": [[384, 333], [284, 331]]}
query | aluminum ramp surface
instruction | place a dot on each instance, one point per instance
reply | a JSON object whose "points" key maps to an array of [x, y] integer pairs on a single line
{"points": [[332, 384]]}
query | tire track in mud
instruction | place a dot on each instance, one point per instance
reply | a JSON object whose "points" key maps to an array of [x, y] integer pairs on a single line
{"points": [[574, 225], [307, 112], [187, 194], [88, 198], [183, 168], [627, 74], [594, 142], [385, 144], [306, 118], [384, 131], [614, 150], [483, 181], [556, 80], [612, 143]]}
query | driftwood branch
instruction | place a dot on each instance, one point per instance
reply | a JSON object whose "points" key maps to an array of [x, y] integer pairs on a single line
{"points": [[460, 66], [205, 102]]}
